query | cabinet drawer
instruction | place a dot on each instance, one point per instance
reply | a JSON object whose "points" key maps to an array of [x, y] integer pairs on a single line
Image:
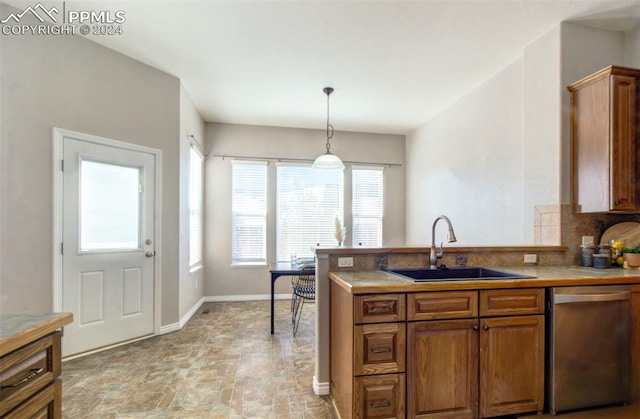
{"points": [[379, 308], [379, 348], [442, 305], [27, 370], [511, 302], [47, 404], [379, 396]]}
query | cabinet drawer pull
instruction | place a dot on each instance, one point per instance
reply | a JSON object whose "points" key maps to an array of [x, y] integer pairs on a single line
{"points": [[385, 309], [380, 350], [33, 374], [381, 404]]}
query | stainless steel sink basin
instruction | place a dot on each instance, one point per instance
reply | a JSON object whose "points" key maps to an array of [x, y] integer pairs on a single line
{"points": [[455, 274]]}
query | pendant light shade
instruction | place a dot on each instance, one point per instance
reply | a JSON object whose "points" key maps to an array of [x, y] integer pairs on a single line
{"points": [[328, 160]]}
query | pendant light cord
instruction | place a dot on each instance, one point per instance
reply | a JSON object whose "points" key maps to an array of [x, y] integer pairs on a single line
{"points": [[328, 91]]}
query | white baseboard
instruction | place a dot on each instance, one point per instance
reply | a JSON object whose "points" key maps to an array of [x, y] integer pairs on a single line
{"points": [[321, 389], [168, 328], [256, 297], [217, 299]]}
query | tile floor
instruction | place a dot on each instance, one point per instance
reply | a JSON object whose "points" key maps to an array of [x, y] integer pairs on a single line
{"points": [[223, 364]]}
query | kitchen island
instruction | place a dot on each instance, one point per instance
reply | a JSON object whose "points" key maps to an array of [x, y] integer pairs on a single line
{"points": [[30, 364], [396, 343]]}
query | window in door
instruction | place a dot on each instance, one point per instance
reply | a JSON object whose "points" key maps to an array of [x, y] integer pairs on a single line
{"points": [[110, 206], [249, 212], [308, 201], [195, 207], [367, 206]]}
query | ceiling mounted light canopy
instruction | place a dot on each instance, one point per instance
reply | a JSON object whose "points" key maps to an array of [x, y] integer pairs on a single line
{"points": [[328, 160]]}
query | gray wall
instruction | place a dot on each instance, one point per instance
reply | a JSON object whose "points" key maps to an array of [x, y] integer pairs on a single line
{"points": [[191, 283], [505, 146], [72, 83], [222, 280]]}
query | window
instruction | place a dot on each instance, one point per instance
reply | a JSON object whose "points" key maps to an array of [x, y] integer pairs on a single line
{"points": [[308, 201], [367, 206], [110, 206], [195, 207], [249, 212]]}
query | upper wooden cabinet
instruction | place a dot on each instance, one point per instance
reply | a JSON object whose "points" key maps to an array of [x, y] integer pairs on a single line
{"points": [[604, 141]]}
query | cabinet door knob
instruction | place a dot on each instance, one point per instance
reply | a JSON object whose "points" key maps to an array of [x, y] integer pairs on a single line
{"points": [[475, 327], [617, 202], [485, 327]]}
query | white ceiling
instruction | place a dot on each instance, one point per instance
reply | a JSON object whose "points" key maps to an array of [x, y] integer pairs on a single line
{"points": [[393, 64]]}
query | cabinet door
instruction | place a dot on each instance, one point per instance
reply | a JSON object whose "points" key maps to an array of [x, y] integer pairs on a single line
{"points": [[511, 365], [623, 143], [442, 369], [604, 140]]}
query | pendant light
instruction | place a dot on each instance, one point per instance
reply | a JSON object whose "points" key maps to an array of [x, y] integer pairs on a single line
{"points": [[328, 160]]}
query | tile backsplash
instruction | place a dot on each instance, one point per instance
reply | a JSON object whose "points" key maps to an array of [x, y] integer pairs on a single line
{"points": [[556, 228]]}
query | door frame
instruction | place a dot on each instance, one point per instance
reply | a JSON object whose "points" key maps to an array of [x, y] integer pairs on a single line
{"points": [[59, 134]]}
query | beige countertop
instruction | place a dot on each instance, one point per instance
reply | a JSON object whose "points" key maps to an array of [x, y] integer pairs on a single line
{"points": [[17, 330], [368, 282]]}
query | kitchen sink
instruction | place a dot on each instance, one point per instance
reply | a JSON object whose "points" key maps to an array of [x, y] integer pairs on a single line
{"points": [[455, 274]]}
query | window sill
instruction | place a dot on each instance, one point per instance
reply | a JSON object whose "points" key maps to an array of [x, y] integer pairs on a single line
{"points": [[249, 265]]}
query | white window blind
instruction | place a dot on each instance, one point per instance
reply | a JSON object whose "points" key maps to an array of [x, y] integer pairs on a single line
{"points": [[249, 212], [307, 203], [195, 207], [367, 202]]}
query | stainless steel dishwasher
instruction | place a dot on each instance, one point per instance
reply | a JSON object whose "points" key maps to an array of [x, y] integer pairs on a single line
{"points": [[590, 346]]}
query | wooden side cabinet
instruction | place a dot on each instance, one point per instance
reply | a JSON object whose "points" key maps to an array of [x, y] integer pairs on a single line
{"points": [[30, 387], [30, 365], [368, 354], [604, 141]]}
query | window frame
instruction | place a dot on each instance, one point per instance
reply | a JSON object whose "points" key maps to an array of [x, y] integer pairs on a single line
{"points": [[356, 214], [196, 199], [284, 254], [250, 213]]}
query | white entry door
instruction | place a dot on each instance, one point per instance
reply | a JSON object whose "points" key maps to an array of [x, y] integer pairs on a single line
{"points": [[108, 247]]}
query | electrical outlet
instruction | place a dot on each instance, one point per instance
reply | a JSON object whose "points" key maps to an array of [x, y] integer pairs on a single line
{"points": [[345, 262], [587, 241], [530, 258]]}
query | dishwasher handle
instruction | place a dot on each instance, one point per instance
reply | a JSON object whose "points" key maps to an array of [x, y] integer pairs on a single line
{"points": [[592, 297]]}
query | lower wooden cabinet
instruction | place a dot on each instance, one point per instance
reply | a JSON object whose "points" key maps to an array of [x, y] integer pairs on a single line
{"points": [[453, 355], [468, 368]]}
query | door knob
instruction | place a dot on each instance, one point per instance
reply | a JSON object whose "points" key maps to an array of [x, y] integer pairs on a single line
{"points": [[150, 254], [485, 327]]}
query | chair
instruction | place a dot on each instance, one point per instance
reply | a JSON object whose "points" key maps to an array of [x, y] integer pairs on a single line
{"points": [[303, 287]]}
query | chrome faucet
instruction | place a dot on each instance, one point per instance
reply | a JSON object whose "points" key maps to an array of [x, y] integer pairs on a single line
{"points": [[451, 237]]}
